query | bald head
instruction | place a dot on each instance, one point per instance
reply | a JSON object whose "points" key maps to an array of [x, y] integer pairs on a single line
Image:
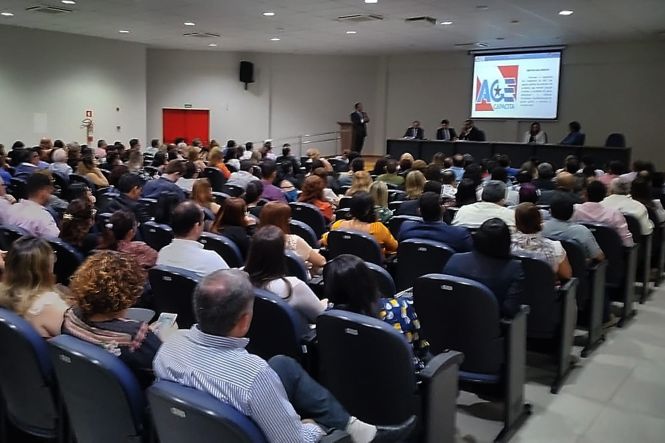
{"points": [[565, 180], [223, 303]]}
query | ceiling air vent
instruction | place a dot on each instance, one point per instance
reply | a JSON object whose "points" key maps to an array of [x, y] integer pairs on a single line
{"points": [[48, 10], [424, 20], [359, 18], [201, 35]]}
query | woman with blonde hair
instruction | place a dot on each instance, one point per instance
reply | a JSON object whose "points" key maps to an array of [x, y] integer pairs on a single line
{"points": [[28, 286], [379, 192], [414, 185], [216, 160], [89, 170], [360, 182], [202, 196]]}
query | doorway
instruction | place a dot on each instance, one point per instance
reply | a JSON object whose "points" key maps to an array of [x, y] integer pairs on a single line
{"points": [[186, 123]]}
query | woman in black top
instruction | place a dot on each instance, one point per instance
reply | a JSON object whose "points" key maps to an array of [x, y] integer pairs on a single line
{"points": [[231, 222], [76, 224]]}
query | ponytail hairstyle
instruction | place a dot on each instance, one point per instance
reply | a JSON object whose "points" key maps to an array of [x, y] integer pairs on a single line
{"points": [[117, 228]]}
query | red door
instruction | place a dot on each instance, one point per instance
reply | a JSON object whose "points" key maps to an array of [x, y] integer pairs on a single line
{"points": [[186, 123]]}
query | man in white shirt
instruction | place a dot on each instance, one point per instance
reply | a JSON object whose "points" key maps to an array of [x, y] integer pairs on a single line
{"points": [[492, 205], [185, 252], [620, 199], [30, 214]]}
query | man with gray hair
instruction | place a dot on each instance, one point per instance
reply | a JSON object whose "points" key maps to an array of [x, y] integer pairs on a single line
{"points": [[492, 205], [59, 165], [621, 200], [211, 357], [545, 176]]}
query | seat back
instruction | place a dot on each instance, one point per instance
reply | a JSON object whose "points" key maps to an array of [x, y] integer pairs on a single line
{"points": [[344, 203], [76, 178], [359, 360], [634, 228], [8, 234], [610, 242], [384, 280], [417, 257], [276, 327], [103, 398], [149, 206], [215, 177], [233, 190], [61, 184], [396, 195], [224, 247], [295, 266], [17, 188], [183, 414], [540, 294], [310, 215], [173, 290], [577, 259], [303, 231], [363, 245], [615, 140], [156, 235], [67, 261], [463, 315], [26, 377], [395, 223]]}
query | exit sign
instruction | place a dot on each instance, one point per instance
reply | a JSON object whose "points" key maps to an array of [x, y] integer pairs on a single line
{"points": [[188, 106]]}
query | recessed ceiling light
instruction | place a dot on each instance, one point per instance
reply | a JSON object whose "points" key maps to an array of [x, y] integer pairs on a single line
{"points": [[123, 31], [514, 22], [566, 12], [447, 22], [351, 32], [268, 14], [68, 2], [189, 24], [482, 7], [275, 39], [7, 14], [500, 38], [371, 1], [213, 45]]}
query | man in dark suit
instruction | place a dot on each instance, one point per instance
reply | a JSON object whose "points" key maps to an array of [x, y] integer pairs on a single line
{"points": [[359, 119], [415, 131], [471, 133], [575, 137], [445, 132]]}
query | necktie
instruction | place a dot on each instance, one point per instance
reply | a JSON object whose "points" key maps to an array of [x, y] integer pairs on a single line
{"points": [[446, 134]]}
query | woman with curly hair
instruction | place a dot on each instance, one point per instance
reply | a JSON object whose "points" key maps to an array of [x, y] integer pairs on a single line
{"points": [[76, 224], [312, 193], [103, 288], [119, 234]]}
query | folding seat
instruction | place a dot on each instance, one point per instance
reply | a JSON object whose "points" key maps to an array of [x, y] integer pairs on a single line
{"points": [[338, 165], [621, 268], [396, 195], [156, 235], [383, 279], [643, 274], [343, 214], [417, 257], [233, 190], [8, 234], [149, 206], [394, 205], [173, 289], [295, 266], [310, 215], [29, 394], [361, 244], [17, 188], [395, 223], [344, 202], [104, 401], [463, 315], [552, 315], [659, 254], [590, 294], [61, 184], [76, 178], [67, 261], [224, 247], [105, 196], [215, 177], [151, 170], [102, 219], [360, 360], [220, 197], [449, 215], [303, 231]]}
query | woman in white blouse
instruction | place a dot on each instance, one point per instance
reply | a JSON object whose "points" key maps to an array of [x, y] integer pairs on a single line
{"points": [[535, 134]]}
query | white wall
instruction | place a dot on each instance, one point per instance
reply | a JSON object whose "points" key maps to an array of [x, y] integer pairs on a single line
{"points": [[49, 79]]}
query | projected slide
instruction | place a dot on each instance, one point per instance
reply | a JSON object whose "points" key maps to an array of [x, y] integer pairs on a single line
{"points": [[524, 86]]}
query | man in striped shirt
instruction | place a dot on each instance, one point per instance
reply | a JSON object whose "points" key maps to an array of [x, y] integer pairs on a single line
{"points": [[211, 357]]}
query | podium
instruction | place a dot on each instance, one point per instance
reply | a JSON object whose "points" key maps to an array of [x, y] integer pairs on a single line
{"points": [[346, 135]]}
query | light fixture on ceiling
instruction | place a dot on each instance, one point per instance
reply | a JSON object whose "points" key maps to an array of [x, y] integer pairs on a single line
{"points": [[351, 32], [123, 31], [189, 24], [275, 39], [68, 2], [482, 7], [514, 22], [566, 12], [268, 14], [371, 1], [213, 45], [446, 23], [6, 14]]}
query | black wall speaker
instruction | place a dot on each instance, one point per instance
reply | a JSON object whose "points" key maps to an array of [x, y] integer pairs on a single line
{"points": [[246, 72]]}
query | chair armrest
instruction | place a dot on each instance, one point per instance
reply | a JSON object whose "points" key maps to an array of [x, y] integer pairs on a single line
{"points": [[440, 363], [336, 436]]}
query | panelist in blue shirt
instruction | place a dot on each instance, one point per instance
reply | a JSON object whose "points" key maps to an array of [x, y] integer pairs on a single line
{"points": [[166, 183], [574, 137]]}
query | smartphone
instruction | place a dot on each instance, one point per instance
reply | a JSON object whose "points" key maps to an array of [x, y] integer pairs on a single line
{"points": [[165, 321]]}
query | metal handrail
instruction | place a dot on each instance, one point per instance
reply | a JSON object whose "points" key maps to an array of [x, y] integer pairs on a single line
{"points": [[298, 142]]}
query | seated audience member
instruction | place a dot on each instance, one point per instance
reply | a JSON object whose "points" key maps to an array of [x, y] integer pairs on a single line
{"points": [[535, 134], [615, 170], [405, 165], [449, 188], [491, 264], [414, 184], [574, 137], [458, 166], [391, 175], [419, 165], [6, 200], [102, 291], [231, 222], [119, 234], [28, 285], [433, 228], [433, 172], [312, 193], [357, 164], [412, 206], [253, 194], [266, 266], [529, 241], [27, 160], [189, 177], [491, 206], [379, 166], [500, 174], [466, 193], [545, 180], [216, 160], [135, 161], [76, 224], [445, 132], [159, 161], [185, 251], [211, 357], [360, 183], [287, 157], [328, 182], [314, 155], [111, 161], [350, 286], [166, 182], [561, 227], [59, 165], [414, 131], [5, 176], [130, 187], [640, 191], [471, 133], [364, 220], [621, 200], [242, 177], [269, 174], [565, 183], [30, 214], [594, 212], [88, 169], [379, 192], [202, 196]]}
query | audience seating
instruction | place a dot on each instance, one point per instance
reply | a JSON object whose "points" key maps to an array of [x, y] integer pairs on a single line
{"points": [[590, 294], [310, 215], [659, 245], [29, 396], [344, 203], [552, 315], [361, 358], [643, 274], [151, 170], [17, 188], [76, 178], [384, 280], [173, 290], [220, 197], [104, 197], [361, 244], [215, 177], [303, 231], [102, 219], [295, 266], [233, 190], [463, 315], [621, 268], [224, 247], [417, 257], [156, 235], [61, 185], [104, 401], [396, 195], [149, 206], [395, 223], [343, 214], [140, 314], [67, 260], [8, 234], [394, 205], [615, 140]]}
